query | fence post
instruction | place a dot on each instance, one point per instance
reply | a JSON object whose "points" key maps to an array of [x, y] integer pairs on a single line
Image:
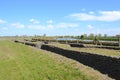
{"points": [[119, 42]]}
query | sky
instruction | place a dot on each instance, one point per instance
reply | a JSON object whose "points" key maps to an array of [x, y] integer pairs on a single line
{"points": [[59, 17]]}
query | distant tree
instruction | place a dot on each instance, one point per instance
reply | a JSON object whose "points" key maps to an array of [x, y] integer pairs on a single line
{"points": [[72, 36], [78, 37], [91, 35], [99, 35], [105, 35], [118, 35], [85, 35], [81, 37]]}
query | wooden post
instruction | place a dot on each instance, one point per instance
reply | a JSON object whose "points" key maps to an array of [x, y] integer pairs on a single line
{"points": [[119, 42]]}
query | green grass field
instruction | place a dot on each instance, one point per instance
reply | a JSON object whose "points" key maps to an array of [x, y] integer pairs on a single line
{"points": [[21, 62]]}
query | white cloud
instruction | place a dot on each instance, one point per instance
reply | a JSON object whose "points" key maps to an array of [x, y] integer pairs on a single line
{"points": [[53, 26], [82, 16], [107, 16], [2, 21], [90, 26], [41, 27], [50, 21], [36, 27], [34, 21], [67, 25], [18, 25]]}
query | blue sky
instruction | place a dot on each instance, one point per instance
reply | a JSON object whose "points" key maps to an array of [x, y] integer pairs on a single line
{"points": [[63, 17]]}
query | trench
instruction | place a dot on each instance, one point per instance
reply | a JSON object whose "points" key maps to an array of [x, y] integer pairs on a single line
{"points": [[105, 64]]}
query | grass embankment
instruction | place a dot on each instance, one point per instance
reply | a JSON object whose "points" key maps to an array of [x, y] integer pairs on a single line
{"points": [[20, 62], [107, 52]]}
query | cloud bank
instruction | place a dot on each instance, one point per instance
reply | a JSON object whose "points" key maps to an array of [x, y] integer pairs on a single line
{"points": [[107, 16]]}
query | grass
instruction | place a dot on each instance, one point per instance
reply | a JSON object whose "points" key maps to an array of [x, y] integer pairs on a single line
{"points": [[107, 52], [20, 62]]}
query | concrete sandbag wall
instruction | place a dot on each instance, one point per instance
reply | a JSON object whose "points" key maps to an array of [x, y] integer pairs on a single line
{"points": [[105, 64]]}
